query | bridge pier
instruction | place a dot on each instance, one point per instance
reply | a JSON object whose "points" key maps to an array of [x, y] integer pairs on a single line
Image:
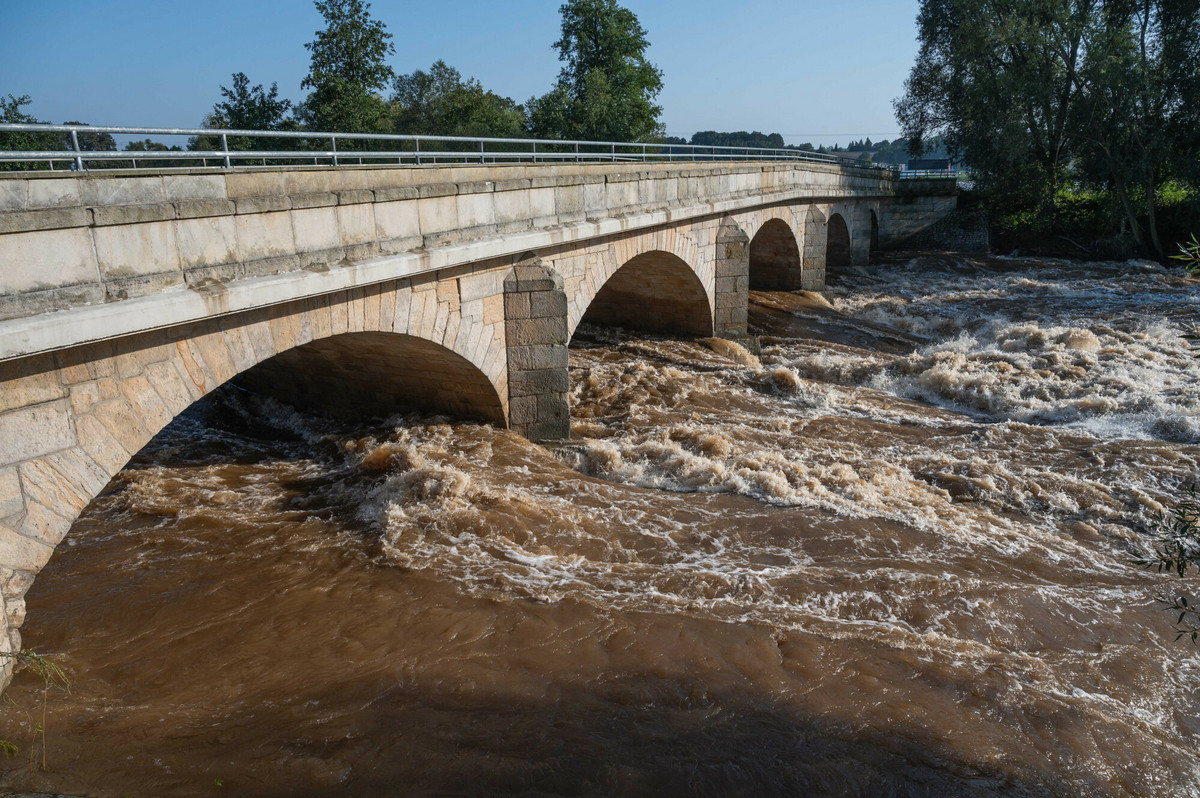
{"points": [[535, 331], [732, 269]]}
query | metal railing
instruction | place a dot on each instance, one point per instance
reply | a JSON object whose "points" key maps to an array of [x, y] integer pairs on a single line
{"points": [[913, 174], [342, 149]]}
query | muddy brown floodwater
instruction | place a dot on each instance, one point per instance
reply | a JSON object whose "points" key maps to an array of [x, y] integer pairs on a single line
{"points": [[891, 555]]}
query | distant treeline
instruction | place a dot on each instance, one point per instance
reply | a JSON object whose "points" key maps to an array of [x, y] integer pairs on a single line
{"points": [[881, 152]]}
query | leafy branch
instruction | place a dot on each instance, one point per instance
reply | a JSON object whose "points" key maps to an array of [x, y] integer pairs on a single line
{"points": [[1177, 548], [1189, 253], [52, 676]]}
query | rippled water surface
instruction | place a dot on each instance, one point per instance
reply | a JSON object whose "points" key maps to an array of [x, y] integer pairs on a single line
{"points": [[889, 555]]}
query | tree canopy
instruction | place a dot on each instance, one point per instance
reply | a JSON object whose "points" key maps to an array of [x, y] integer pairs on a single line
{"points": [[607, 89], [1037, 94], [348, 68], [11, 112], [440, 102], [247, 107]]}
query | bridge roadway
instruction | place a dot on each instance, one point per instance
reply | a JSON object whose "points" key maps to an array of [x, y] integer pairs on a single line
{"points": [[127, 296]]}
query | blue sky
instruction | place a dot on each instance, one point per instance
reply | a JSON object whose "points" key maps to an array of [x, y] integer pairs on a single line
{"points": [[820, 72]]}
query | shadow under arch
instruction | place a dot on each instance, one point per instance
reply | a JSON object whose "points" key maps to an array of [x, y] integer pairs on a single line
{"points": [[874, 230], [653, 292], [837, 247], [775, 263], [376, 374], [157, 377]]}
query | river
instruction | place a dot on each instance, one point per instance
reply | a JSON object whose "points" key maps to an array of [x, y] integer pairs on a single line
{"points": [[891, 554]]}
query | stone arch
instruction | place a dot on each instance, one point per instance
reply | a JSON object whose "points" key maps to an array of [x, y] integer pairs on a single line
{"points": [[837, 247], [69, 421], [654, 291], [359, 374], [775, 262], [874, 230]]}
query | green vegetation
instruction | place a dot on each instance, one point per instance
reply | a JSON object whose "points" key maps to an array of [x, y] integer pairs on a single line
{"points": [[1189, 253], [10, 112], [1045, 99], [52, 676], [1177, 548], [348, 71], [606, 89], [440, 102]]}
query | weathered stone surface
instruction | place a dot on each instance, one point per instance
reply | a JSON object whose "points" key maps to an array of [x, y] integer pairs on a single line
{"points": [[132, 250], [316, 200], [537, 356], [187, 188], [200, 208], [396, 193], [264, 235], [46, 259], [99, 190], [105, 215], [268, 204], [22, 552], [209, 241], [12, 501], [14, 193], [51, 219], [547, 303], [316, 229], [36, 430]]}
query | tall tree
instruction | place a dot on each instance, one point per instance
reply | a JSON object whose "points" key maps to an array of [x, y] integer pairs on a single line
{"points": [[347, 70], [1140, 109], [10, 112], [606, 89], [440, 102], [995, 77], [1032, 93], [247, 107]]}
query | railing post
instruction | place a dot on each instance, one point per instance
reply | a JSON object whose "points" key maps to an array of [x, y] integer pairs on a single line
{"points": [[75, 146], [333, 142], [534, 151], [577, 152], [614, 152], [481, 151], [417, 150], [225, 149]]}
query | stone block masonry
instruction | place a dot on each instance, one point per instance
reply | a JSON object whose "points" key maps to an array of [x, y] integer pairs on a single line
{"points": [[732, 269], [535, 328]]}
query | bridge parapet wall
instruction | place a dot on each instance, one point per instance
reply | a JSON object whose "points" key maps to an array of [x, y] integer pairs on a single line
{"points": [[100, 239]]}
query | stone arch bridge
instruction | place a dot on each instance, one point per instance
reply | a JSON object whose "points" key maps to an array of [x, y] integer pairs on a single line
{"points": [[125, 297]]}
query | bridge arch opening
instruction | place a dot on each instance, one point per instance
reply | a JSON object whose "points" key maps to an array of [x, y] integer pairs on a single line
{"points": [[837, 247], [874, 230], [376, 374], [653, 292], [153, 381], [775, 263]]}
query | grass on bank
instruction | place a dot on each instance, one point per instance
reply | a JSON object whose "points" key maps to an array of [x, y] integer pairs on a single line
{"points": [[1088, 223]]}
